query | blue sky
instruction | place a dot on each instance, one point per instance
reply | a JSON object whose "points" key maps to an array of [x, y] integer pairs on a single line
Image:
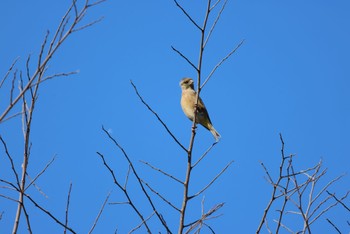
{"points": [[290, 76]]}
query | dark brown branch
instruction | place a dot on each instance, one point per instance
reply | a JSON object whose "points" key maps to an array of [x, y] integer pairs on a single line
{"points": [[184, 57], [11, 161], [187, 15], [49, 214], [157, 116], [340, 201], [333, 225]]}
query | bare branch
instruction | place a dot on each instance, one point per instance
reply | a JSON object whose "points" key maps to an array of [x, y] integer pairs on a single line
{"points": [[161, 197], [127, 177], [99, 213], [142, 223], [211, 182], [138, 179], [11, 161], [205, 154], [219, 64], [130, 202], [8, 72], [187, 15], [204, 217], [159, 119], [88, 25], [333, 225], [49, 214], [340, 201], [67, 208], [215, 22], [184, 57], [40, 173], [161, 171]]}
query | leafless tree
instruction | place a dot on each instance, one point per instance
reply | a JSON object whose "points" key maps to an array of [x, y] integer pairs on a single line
{"points": [[27, 97], [192, 160], [299, 193]]}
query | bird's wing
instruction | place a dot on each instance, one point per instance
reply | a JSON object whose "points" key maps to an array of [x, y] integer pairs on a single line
{"points": [[202, 110]]}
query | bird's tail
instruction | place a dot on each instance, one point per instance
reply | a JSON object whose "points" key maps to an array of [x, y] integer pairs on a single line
{"points": [[215, 133]]}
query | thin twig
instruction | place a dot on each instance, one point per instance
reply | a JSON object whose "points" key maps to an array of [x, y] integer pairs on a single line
{"points": [[161, 197], [11, 161], [40, 173], [142, 223], [48, 213], [99, 213], [184, 57], [187, 15], [161, 171], [157, 116], [129, 202], [205, 154], [212, 181], [67, 208], [340, 201], [333, 225], [215, 22], [219, 64], [8, 71], [138, 179]]}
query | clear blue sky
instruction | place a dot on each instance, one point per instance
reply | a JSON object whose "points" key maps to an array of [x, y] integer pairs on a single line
{"points": [[291, 76]]}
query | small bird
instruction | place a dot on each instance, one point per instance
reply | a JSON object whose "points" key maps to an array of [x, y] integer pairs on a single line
{"points": [[188, 103]]}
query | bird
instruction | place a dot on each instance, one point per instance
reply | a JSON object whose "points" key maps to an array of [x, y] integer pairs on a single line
{"points": [[188, 104]]}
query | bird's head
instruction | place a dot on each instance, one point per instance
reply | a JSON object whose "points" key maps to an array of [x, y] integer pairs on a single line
{"points": [[187, 83]]}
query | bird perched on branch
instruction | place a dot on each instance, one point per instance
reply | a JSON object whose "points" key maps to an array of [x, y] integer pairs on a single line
{"points": [[188, 104]]}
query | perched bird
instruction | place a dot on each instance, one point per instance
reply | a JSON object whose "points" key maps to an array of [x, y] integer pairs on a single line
{"points": [[188, 103]]}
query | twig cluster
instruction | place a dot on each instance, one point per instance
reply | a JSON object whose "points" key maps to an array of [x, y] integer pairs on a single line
{"points": [[299, 193]]}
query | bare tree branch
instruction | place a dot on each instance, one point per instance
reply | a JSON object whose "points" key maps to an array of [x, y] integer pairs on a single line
{"points": [[215, 22], [184, 57], [161, 197], [219, 64], [129, 202], [67, 208], [42, 172], [333, 225], [212, 181], [161, 171], [187, 15], [8, 72], [159, 119], [49, 214], [138, 179], [99, 213]]}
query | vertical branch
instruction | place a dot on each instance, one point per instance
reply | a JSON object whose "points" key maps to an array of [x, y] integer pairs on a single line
{"points": [[67, 208], [190, 148]]}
